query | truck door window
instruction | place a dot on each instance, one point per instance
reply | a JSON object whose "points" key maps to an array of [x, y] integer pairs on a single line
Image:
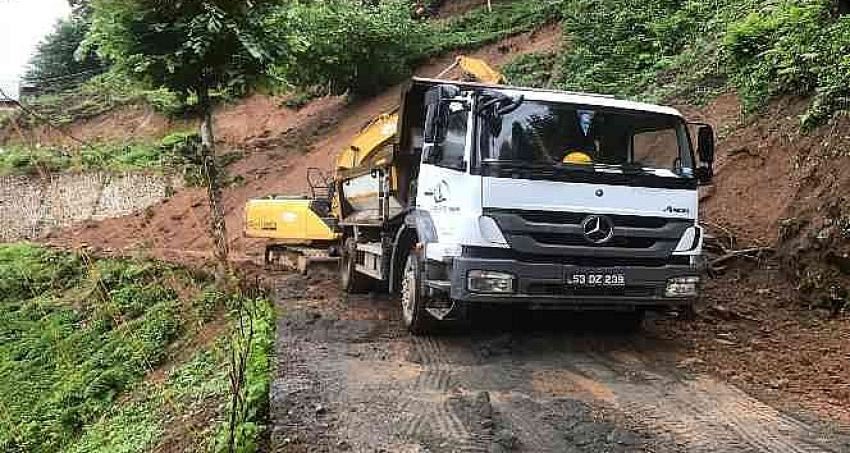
{"points": [[452, 149]]}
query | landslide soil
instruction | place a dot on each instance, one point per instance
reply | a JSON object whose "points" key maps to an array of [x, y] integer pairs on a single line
{"points": [[278, 145]]}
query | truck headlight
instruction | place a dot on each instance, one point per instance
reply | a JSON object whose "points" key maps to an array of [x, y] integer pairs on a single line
{"points": [[682, 287], [490, 282]]}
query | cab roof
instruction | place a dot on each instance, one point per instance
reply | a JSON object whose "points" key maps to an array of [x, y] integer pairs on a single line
{"points": [[566, 97]]}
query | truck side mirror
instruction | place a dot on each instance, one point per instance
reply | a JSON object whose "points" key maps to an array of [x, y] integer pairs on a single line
{"points": [[705, 144], [704, 175], [705, 149], [436, 120]]}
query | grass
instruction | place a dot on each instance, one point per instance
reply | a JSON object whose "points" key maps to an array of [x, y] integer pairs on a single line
{"points": [[175, 152], [82, 341]]}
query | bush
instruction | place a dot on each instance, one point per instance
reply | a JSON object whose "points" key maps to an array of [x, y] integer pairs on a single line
{"points": [[792, 48], [621, 46], [531, 70], [176, 152], [663, 48], [481, 26], [344, 45]]}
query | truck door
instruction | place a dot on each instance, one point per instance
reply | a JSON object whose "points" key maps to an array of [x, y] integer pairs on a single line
{"points": [[444, 187]]}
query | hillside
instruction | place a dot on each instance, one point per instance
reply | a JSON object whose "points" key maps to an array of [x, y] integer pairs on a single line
{"points": [[105, 354], [278, 145], [770, 77]]}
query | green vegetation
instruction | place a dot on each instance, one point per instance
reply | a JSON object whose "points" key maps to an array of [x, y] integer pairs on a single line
{"points": [[96, 96], [250, 366], [653, 50], [343, 45], [793, 48], [532, 69], [690, 49], [176, 151], [480, 26], [347, 46], [82, 340]]}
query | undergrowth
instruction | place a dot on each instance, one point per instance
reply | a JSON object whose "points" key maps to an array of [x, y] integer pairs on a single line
{"points": [[94, 97], [692, 50], [342, 46], [482, 26], [653, 50], [82, 339], [176, 151]]}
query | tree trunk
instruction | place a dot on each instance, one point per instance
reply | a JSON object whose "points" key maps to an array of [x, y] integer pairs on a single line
{"points": [[212, 179]]}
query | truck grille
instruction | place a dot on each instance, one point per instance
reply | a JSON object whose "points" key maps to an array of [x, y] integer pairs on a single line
{"points": [[575, 218], [579, 240], [583, 261], [561, 234]]}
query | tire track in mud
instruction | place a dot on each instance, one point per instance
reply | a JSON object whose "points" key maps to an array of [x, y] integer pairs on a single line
{"points": [[701, 413], [347, 383]]}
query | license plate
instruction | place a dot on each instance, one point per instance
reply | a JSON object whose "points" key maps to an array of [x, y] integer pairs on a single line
{"points": [[596, 278]]}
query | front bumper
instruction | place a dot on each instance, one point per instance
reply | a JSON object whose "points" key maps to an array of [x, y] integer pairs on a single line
{"points": [[543, 285]]}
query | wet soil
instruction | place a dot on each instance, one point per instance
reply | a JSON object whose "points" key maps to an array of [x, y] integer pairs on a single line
{"points": [[350, 378]]}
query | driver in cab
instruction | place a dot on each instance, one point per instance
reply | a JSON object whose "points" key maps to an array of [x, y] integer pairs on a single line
{"points": [[580, 147]]}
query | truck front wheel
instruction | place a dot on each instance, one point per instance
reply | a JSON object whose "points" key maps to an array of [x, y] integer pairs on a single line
{"points": [[416, 318]]}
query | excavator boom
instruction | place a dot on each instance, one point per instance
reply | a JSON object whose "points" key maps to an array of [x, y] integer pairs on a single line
{"points": [[291, 225]]}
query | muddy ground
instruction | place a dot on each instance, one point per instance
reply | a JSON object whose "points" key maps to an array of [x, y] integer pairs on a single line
{"points": [[350, 378]]}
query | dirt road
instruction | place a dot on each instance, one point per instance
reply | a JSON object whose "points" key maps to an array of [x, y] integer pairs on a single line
{"points": [[351, 379]]}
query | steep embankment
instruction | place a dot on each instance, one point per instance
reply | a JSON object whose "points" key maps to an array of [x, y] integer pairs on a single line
{"points": [[105, 355], [279, 144]]}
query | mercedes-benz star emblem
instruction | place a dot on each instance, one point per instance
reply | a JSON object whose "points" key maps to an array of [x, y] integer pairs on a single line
{"points": [[597, 229]]}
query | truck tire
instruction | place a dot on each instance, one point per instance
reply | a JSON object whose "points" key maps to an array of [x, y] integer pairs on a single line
{"points": [[416, 318], [352, 282]]}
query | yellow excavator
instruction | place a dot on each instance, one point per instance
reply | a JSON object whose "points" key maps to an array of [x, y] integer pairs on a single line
{"points": [[302, 230]]}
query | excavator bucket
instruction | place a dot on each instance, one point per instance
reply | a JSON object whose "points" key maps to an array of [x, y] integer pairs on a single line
{"points": [[479, 70]]}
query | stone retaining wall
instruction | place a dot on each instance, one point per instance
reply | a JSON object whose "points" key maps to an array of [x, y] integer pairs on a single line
{"points": [[32, 205]]}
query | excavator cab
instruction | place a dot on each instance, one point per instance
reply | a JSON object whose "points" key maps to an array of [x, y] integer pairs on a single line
{"points": [[300, 229]]}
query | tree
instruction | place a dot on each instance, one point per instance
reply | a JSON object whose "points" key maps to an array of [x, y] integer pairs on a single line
{"points": [[193, 48], [57, 64], [346, 46]]}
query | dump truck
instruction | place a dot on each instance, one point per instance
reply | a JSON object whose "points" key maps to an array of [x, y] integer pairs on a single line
{"points": [[488, 194]]}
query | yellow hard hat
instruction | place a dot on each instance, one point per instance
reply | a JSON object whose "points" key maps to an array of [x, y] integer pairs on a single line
{"points": [[577, 157]]}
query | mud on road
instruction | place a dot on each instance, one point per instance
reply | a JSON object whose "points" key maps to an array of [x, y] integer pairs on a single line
{"points": [[350, 378]]}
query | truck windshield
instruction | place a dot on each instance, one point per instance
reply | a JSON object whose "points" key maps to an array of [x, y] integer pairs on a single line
{"points": [[543, 134]]}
